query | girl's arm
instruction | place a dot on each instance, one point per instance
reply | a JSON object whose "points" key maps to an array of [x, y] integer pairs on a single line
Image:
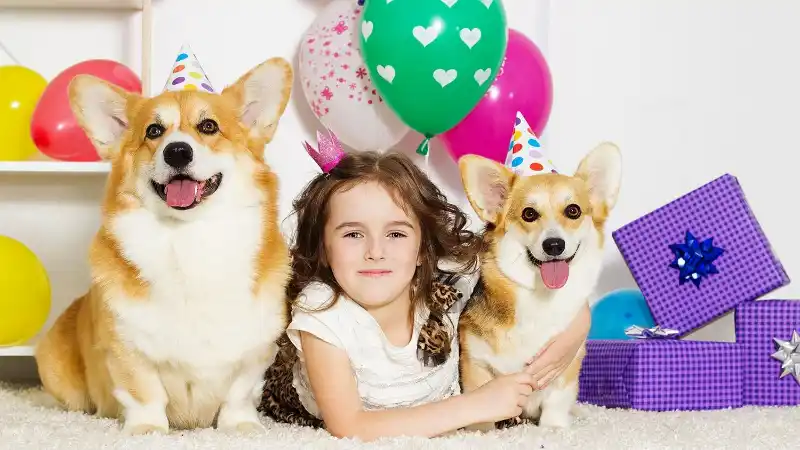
{"points": [[334, 386]]}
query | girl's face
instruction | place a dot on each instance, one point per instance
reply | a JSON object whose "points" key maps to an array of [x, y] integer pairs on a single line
{"points": [[371, 245]]}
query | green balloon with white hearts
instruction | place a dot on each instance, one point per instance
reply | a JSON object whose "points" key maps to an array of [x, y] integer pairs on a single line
{"points": [[433, 60]]}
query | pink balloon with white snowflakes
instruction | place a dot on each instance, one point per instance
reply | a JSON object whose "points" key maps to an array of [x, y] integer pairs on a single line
{"points": [[337, 85]]}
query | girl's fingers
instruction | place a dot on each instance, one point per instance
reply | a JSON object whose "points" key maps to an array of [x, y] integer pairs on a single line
{"points": [[541, 362], [541, 351], [550, 376], [539, 368]]}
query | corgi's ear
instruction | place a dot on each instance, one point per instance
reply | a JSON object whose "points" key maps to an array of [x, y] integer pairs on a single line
{"points": [[261, 96], [601, 169], [101, 110], [487, 184]]}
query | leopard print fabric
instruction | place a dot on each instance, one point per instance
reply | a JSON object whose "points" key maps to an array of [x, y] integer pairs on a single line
{"points": [[279, 400], [445, 294], [435, 337], [514, 422]]}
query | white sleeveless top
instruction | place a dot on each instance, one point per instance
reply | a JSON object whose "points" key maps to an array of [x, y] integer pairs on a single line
{"points": [[387, 376]]}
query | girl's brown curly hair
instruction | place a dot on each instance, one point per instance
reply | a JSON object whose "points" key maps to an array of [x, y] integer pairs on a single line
{"points": [[443, 227]]}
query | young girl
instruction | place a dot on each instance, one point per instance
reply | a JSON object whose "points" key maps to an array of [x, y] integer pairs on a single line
{"points": [[382, 266]]}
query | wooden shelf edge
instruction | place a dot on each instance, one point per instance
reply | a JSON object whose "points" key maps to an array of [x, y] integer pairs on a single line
{"points": [[73, 4]]}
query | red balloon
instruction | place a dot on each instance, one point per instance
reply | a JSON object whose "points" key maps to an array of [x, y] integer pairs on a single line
{"points": [[54, 128]]}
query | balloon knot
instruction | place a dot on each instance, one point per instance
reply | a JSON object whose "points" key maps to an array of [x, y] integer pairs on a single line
{"points": [[425, 145]]}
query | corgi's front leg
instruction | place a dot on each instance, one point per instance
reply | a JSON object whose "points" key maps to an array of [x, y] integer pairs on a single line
{"points": [[139, 391], [238, 412], [557, 406], [561, 396]]}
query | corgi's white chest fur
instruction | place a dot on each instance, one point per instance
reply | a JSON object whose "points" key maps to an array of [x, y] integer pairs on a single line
{"points": [[540, 315], [201, 311], [536, 321]]}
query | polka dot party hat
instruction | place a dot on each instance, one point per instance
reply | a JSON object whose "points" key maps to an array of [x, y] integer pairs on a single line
{"points": [[525, 155], [187, 74]]}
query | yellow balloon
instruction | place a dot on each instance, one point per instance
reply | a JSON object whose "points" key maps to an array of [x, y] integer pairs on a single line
{"points": [[20, 90], [24, 293]]}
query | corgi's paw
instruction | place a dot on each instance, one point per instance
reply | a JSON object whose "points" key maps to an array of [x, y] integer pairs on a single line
{"points": [[555, 419], [579, 411], [240, 419], [141, 418], [136, 429], [249, 428]]}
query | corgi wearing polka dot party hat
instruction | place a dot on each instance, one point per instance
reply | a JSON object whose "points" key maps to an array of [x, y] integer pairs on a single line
{"points": [[189, 266], [545, 237], [525, 155], [187, 73]]}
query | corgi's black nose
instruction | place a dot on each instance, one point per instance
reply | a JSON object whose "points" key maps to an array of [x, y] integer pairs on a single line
{"points": [[554, 246], [178, 154]]}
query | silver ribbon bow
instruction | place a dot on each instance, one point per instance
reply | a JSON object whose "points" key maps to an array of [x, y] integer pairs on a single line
{"points": [[656, 332], [789, 355]]}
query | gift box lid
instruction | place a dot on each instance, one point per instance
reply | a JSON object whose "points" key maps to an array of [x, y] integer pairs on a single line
{"points": [[697, 257]]}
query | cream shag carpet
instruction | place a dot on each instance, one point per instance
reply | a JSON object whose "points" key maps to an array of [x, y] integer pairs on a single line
{"points": [[30, 420]]}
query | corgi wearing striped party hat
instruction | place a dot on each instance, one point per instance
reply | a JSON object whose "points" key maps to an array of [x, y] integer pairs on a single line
{"points": [[189, 265], [545, 236]]}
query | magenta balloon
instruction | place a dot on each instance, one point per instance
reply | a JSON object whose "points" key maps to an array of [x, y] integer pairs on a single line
{"points": [[523, 84]]}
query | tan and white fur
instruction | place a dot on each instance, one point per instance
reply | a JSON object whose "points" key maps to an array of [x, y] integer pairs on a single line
{"points": [[513, 312], [186, 303]]}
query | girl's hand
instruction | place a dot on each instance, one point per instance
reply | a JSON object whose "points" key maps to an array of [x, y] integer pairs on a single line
{"points": [[560, 351], [503, 397]]}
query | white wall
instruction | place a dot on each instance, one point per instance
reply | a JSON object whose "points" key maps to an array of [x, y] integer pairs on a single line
{"points": [[720, 94], [689, 90]]}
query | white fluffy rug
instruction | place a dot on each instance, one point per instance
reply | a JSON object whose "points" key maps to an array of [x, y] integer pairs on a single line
{"points": [[29, 420]]}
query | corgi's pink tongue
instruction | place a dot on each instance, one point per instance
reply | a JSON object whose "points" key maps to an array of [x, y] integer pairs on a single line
{"points": [[554, 274], [182, 193]]}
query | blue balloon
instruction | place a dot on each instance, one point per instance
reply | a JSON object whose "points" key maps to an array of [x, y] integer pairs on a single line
{"points": [[618, 310]]}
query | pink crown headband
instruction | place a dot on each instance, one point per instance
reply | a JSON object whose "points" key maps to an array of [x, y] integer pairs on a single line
{"points": [[329, 151]]}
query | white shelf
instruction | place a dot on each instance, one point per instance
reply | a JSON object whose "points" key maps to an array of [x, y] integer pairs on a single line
{"points": [[143, 6], [34, 192], [54, 166], [73, 4], [20, 350]]}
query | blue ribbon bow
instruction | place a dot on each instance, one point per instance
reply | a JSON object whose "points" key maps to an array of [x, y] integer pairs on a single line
{"points": [[694, 259]]}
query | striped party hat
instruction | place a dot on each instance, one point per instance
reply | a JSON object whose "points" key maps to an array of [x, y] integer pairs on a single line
{"points": [[187, 73], [525, 155]]}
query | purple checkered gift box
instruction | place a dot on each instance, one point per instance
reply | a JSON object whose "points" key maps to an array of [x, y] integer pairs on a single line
{"points": [[661, 374], [699, 256], [761, 328]]}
